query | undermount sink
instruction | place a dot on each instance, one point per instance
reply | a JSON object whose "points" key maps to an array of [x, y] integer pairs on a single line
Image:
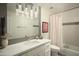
{"points": [[32, 42], [36, 42]]}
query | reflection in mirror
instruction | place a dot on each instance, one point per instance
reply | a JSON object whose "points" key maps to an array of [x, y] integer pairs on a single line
{"points": [[20, 25]]}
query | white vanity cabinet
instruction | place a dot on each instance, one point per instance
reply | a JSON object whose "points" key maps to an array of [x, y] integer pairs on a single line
{"points": [[42, 50], [28, 48]]}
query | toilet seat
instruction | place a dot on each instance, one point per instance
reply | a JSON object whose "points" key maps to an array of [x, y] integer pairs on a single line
{"points": [[55, 48]]}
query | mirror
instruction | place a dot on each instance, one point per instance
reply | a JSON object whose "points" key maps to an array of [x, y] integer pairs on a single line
{"points": [[21, 25]]}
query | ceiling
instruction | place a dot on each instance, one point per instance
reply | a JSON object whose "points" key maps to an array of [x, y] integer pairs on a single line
{"points": [[58, 7]]}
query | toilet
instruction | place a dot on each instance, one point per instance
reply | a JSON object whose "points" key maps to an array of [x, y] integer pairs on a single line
{"points": [[54, 50]]}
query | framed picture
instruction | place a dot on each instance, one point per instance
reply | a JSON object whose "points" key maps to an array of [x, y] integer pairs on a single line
{"points": [[44, 27]]}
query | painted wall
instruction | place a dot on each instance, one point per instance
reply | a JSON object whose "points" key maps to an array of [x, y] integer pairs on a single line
{"points": [[3, 9], [18, 26], [71, 32], [3, 13], [45, 18]]}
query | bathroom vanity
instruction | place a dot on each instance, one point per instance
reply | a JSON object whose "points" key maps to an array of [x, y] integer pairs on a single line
{"points": [[28, 48]]}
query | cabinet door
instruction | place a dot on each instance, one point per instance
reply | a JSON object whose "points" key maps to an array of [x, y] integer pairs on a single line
{"points": [[43, 50], [40, 50], [31, 53], [47, 53], [34, 52], [27, 54], [47, 49]]}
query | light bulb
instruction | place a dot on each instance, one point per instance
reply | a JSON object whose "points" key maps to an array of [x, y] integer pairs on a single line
{"points": [[20, 7], [17, 11], [31, 14], [36, 14], [25, 11]]}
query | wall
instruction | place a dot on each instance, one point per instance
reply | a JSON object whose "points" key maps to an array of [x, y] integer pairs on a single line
{"points": [[3, 12], [71, 32], [19, 26], [45, 18], [3, 9]]}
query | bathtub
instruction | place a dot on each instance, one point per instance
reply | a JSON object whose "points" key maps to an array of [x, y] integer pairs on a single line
{"points": [[69, 50]]}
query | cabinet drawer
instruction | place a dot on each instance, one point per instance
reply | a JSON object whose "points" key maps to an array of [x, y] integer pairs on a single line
{"points": [[47, 46]]}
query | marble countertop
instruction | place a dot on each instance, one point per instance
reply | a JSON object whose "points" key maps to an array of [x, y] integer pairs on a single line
{"points": [[15, 49]]}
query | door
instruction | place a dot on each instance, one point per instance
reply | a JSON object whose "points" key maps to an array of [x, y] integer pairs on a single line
{"points": [[55, 33]]}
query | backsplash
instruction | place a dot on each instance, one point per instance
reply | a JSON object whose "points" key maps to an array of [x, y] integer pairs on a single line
{"points": [[17, 40]]}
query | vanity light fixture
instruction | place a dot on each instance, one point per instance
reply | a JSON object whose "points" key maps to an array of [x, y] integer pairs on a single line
{"points": [[23, 8], [31, 12], [36, 12], [27, 10], [19, 9]]}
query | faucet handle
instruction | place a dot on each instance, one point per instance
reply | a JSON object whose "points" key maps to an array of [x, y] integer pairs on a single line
{"points": [[36, 37], [25, 35]]}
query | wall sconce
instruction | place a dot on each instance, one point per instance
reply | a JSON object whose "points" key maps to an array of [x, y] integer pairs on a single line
{"points": [[26, 9], [19, 9], [36, 12], [31, 12]]}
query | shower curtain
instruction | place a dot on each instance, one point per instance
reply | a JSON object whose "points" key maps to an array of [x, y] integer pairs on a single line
{"points": [[56, 30]]}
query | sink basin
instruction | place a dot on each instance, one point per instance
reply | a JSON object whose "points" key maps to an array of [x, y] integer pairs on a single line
{"points": [[32, 42], [35, 42]]}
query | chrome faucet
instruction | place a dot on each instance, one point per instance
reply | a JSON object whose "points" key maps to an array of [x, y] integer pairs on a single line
{"points": [[26, 37], [36, 37]]}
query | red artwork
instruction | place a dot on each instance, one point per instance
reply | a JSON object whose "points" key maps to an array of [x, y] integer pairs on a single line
{"points": [[44, 27]]}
